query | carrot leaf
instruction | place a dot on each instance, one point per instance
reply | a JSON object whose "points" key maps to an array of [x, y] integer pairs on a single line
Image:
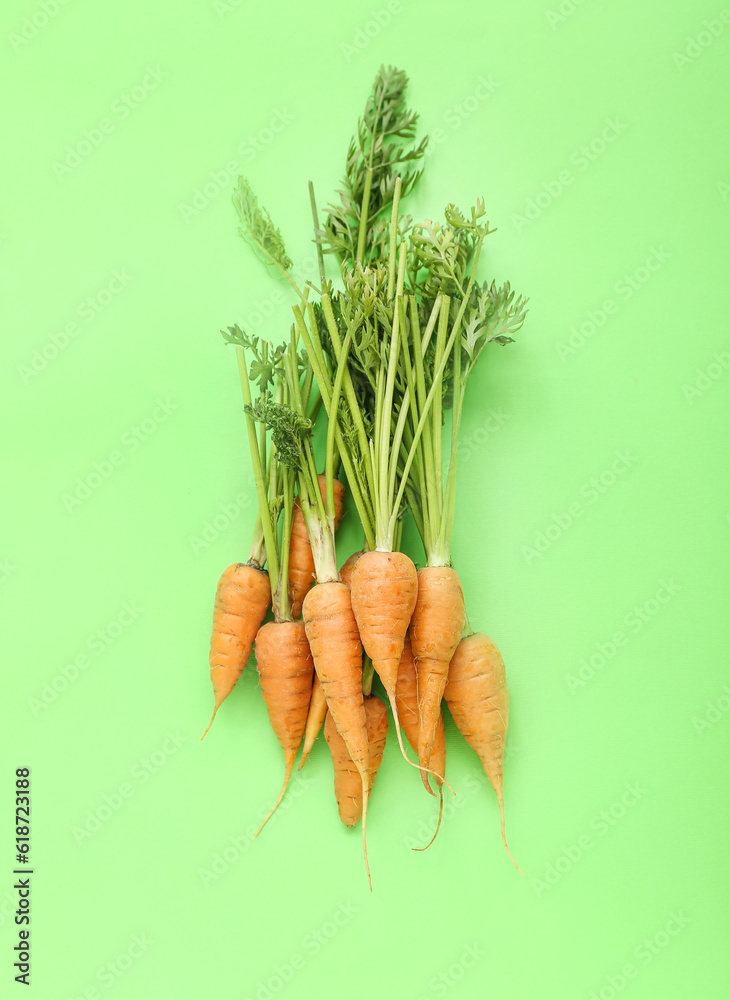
{"points": [[258, 228], [358, 228], [288, 429]]}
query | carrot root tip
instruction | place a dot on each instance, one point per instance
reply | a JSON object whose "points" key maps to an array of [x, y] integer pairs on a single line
{"points": [[211, 722], [287, 776], [365, 796], [500, 801], [438, 823], [424, 769]]}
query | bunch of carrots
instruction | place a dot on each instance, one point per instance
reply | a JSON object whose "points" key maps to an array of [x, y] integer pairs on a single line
{"points": [[375, 362]]}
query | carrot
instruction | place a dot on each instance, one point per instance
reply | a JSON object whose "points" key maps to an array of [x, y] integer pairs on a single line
{"points": [[301, 560], [438, 621], [315, 718], [285, 671], [337, 653], [348, 787], [241, 602], [384, 588], [406, 694], [348, 566], [478, 698], [318, 704]]}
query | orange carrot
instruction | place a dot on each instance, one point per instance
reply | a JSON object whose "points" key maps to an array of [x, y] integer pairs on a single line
{"points": [[337, 654], [438, 621], [318, 704], [301, 560], [241, 601], [478, 698], [315, 718], [406, 694], [285, 671], [384, 587], [348, 566], [348, 787]]}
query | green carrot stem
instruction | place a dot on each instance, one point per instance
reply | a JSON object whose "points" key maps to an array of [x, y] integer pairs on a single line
{"points": [[431, 325], [358, 490], [283, 603], [316, 406], [314, 350], [393, 238], [329, 452], [383, 534], [412, 393], [273, 465], [437, 409], [364, 211], [436, 557], [317, 235], [403, 413], [432, 500], [307, 387], [447, 522], [257, 553], [350, 395], [272, 556], [309, 465]]}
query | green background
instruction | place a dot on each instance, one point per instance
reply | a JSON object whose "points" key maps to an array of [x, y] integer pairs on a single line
{"points": [[604, 582]]}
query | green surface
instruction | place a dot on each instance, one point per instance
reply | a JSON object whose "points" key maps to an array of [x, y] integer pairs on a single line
{"points": [[592, 527]]}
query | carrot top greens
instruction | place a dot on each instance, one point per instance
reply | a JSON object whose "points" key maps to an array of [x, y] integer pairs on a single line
{"points": [[358, 228], [391, 349]]}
